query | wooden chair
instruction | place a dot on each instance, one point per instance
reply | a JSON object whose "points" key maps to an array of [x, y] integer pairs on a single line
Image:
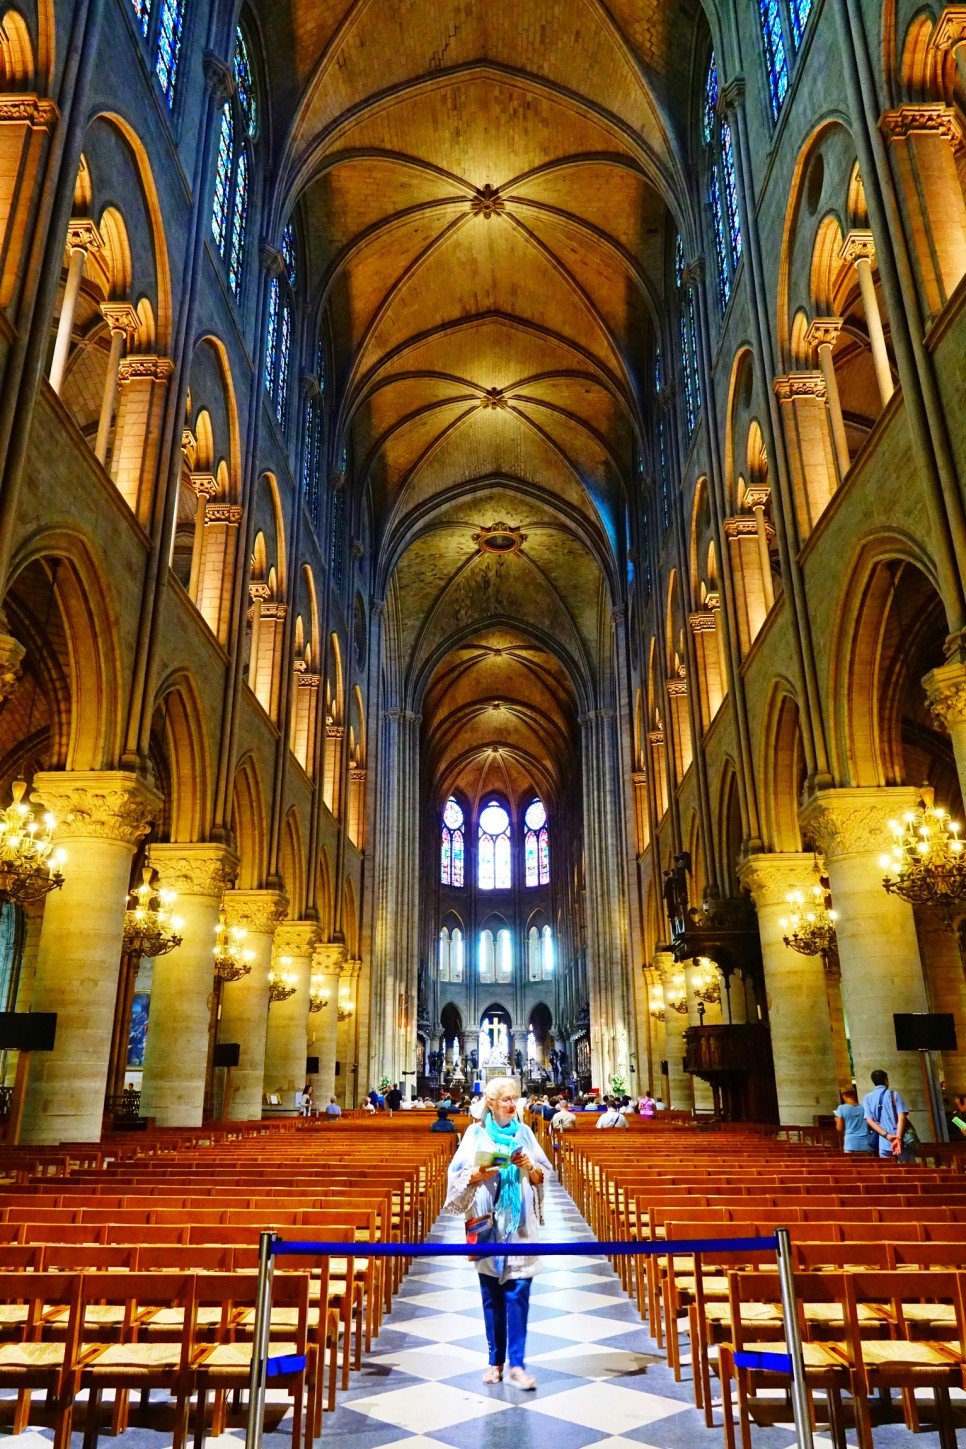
{"points": [[31, 1363]]}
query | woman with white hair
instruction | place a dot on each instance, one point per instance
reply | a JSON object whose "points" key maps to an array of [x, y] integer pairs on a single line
{"points": [[496, 1180]]}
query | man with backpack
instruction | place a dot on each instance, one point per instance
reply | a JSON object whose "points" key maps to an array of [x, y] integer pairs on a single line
{"points": [[888, 1117]]}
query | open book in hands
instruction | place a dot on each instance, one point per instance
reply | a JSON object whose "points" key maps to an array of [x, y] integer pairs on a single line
{"points": [[490, 1157]]}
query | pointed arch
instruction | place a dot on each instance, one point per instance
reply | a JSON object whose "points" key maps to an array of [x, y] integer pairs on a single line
{"points": [[248, 824]]}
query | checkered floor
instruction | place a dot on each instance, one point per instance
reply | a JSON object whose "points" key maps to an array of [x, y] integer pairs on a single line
{"points": [[600, 1378]]}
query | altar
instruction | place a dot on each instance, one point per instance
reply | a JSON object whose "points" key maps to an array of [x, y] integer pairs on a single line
{"points": [[493, 1050]]}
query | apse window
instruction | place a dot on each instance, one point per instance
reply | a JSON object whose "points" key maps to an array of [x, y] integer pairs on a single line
{"points": [[536, 845], [451, 845], [494, 871]]}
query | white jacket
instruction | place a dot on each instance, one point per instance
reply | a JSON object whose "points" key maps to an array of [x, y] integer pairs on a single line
{"points": [[471, 1201]]}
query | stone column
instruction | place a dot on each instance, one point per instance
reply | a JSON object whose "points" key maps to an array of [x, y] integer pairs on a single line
{"points": [[244, 1011], [757, 498], [675, 1025], [821, 335], [802, 398], [878, 949], [945, 986], [101, 815], [396, 938], [121, 318], [176, 1052], [142, 385], [798, 1014], [945, 689], [328, 958], [702, 1090], [347, 1035], [82, 238], [859, 249], [286, 1046]]}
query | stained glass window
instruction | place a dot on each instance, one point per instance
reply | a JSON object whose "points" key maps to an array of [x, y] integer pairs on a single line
{"points": [[494, 870], [451, 845], [801, 9], [534, 955], [142, 9], [710, 100], [344, 461], [544, 856], [658, 383], [536, 847], [720, 244], [486, 956], [504, 956], [444, 949], [239, 224], [693, 338], [338, 537], [288, 253], [679, 260], [456, 956], [220, 205], [689, 410], [284, 360], [320, 365], [271, 335], [244, 84], [169, 46], [547, 953], [731, 192], [776, 60]]}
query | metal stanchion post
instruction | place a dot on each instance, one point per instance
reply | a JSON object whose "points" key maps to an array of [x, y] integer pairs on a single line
{"points": [[263, 1322], [793, 1341]]}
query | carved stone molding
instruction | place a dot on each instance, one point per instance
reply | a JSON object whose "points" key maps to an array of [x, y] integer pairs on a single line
{"points": [[11, 663], [351, 969], [702, 622], [770, 877], [218, 77], [205, 485], [309, 386], [329, 957], [946, 692], [494, 397], [757, 495], [260, 912], [934, 118], [487, 202], [731, 97], [800, 384], [744, 526], [694, 271], [98, 804], [846, 823], [83, 235], [655, 737], [296, 938], [32, 110], [258, 590], [224, 513], [271, 259], [950, 28], [120, 317], [822, 331], [195, 870], [858, 244], [274, 610], [140, 367], [676, 688], [309, 681]]}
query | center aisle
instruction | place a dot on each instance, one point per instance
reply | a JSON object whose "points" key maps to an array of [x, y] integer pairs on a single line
{"points": [[599, 1377]]}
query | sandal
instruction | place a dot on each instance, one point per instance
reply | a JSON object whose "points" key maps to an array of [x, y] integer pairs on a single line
{"points": [[494, 1374], [521, 1379]]}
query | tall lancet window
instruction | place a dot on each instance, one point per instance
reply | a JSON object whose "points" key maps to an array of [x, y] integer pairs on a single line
{"points": [[722, 187], [776, 57], [451, 845], [536, 845], [494, 869]]}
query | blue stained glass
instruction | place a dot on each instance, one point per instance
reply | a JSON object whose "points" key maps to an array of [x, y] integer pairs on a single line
{"points": [[679, 260], [446, 861], [731, 192], [239, 224], [457, 857], [320, 365], [686, 370], [219, 209], [657, 376], [531, 869], [693, 334], [720, 245], [142, 9], [169, 46], [665, 504], [710, 100], [544, 856], [338, 537], [646, 554], [344, 461], [271, 335], [284, 355], [288, 253], [801, 10], [775, 58], [486, 863], [309, 469], [244, 84]]}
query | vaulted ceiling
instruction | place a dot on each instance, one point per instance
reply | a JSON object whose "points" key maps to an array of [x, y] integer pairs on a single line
{"points": [[485, 189]]}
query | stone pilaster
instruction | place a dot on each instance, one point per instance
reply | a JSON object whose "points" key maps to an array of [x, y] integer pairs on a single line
{"points": [[878, 949], [176, 1052], [946, 692], [286, 1045], [348, 1089], [675, 1025], [101, 816], [328, 960], [244, 1011], [396, 935], [798, 1012]]}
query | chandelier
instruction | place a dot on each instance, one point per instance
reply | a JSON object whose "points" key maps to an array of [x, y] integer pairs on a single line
{"points": [[282, 984], [810, 927], [706, 981], [232, 960], [927, 865], [655, 1003], [29, 864], [316, 999], [346, 1007], [676, 994], [149, 927]]}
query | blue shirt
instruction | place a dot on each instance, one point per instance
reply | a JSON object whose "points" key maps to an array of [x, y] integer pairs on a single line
{"points": [[883, 1105], [857, 1133]]}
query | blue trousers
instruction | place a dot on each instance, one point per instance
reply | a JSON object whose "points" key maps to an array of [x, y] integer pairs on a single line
{"points": [[505, 1308]]}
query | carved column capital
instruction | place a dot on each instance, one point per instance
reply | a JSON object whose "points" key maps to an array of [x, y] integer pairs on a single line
{"points": [[296, 938], [309, 386], [83, 235], [694, 271], [141, 367], [260, 912], [770, 878], [732, 96], [794, 385], [120, 317], [822, 331], [98, 804], [934, 116], [329, 957], [203, 869], [847, 823], [271, 259], [950, 30], [946, 692], [11, 663], [218, 77], [858, 245]]}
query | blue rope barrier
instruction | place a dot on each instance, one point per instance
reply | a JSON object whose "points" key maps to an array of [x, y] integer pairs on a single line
{"points": [[647, 1247], [775, 1363]]}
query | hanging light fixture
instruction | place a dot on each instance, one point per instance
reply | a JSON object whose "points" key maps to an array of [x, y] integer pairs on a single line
{"points": [[676, 994], [655, 1003], [232, 959], [29, 864], [927, 866], [346, 1007], [284, 983], [706, 981], [149, 927], [316, 999], [810, 926]]}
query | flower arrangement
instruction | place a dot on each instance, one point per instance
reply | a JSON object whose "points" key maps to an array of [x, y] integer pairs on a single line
{"points": [[618, 1083], [384, 1083]]}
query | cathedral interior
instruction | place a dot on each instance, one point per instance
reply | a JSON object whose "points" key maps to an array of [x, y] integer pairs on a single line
{"points": [[482, 523]]}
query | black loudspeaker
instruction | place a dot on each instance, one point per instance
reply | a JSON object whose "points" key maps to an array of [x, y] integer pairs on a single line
{"points": [[311, 1066], [27, 1031], [923, 1031], [227, 1054], [664, 1069], [338, 1069]]}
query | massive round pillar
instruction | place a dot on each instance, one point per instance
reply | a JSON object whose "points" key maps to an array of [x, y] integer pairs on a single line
{"points": [[286, 1044], [244, 1010]]}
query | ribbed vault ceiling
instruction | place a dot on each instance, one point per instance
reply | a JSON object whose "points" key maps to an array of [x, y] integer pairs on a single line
{"points": [[485, 189]]}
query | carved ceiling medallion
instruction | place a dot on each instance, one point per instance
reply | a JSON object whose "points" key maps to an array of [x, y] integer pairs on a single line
{"points": [[499, 538]]}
